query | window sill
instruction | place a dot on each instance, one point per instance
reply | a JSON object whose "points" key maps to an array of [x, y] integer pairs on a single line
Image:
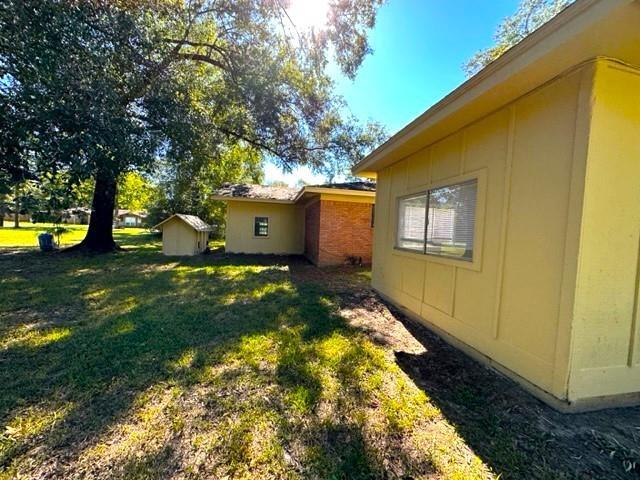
{"points": [[430, 257]]}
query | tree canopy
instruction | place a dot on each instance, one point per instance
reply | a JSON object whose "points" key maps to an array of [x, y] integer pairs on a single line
{"points": [[93, 89], [530, 15]]}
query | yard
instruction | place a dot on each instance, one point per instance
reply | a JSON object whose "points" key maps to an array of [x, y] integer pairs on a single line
{"points": [[136, 365], [27, 235]]}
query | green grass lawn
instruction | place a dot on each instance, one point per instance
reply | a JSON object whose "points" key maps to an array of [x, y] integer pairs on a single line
{"points": [[135, 365], [26, 236]]}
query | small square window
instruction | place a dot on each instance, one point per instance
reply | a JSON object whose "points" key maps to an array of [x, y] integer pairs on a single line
{"points": [[261, 227]]}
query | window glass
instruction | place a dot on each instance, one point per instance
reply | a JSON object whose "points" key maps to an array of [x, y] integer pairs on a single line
{"points": [[452, 212], [440, 221], [411, 222], [261, 227]]}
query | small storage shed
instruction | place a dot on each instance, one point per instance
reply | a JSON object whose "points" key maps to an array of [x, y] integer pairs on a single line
{"points": [[183, 235]]}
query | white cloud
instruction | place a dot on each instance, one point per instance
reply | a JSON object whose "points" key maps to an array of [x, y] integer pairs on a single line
{"points": [[273, 173]]}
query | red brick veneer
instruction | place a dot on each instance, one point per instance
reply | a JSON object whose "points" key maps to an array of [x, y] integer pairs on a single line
{"points": [[337, 230]]}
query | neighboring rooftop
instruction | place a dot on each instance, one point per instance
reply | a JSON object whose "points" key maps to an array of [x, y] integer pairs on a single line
{"points": [[122, 212], [261, 192]]}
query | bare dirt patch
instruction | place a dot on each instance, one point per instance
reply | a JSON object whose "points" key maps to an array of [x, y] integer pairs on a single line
{"points": [[517, 435]]}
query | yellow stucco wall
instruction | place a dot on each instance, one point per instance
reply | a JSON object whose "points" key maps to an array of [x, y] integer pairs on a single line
{"points": [[514, 303], [605, 342], [180, 239], [286, 228]]}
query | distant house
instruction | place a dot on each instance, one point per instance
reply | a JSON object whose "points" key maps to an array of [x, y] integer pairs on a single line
{"points": [[183, 235], [330, 224], [129, 218], [76, 215], [508, 214]]}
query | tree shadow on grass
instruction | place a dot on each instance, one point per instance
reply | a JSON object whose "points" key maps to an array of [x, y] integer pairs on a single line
{"points": [[517, 435], [110, 343]]}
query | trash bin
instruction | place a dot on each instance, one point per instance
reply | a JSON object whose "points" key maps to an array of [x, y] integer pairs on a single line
{"points": [[46, 242]]}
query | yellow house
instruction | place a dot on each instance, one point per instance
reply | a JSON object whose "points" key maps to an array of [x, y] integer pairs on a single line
{"points": [[183, 235], [508, 214], [330, 224]]}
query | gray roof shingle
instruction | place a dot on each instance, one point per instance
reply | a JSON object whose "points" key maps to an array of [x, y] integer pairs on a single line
{"points": [[261, 192], [362, 186], [194, 222], [285, 194]]}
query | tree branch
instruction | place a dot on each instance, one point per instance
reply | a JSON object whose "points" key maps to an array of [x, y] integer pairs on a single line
{"points": [[198, 57]]}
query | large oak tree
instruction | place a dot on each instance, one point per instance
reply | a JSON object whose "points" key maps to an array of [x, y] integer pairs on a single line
{"points": [[97, 88]]}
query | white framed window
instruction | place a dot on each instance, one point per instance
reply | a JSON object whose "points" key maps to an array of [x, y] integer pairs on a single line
{"points": [[411, 222], [440, 221], [261, 227]]}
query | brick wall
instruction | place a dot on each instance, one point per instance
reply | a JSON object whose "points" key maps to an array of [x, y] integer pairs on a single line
{"points": [[311, 231], [345, 230]]}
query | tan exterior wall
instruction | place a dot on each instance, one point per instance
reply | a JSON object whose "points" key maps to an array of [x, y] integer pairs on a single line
{"points": [[513, 303], [180, 239], [605, 342], [286, 228]]}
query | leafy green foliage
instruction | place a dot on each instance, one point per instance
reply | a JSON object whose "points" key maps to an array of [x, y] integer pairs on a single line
{"points": [[135, 192], [94, 89], [57, 231], [530, 15], [187, 187]]}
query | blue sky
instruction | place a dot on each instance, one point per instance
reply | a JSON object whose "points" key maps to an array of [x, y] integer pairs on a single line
{"points": [[419, 47]]}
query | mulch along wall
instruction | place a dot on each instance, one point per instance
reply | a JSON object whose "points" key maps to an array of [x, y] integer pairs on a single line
{"points": [[335, 231]]}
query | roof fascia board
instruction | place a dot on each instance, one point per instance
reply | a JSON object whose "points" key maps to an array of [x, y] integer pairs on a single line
{"points": [[333, 191]]}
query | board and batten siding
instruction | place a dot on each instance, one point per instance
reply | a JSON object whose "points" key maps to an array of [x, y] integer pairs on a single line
{"points": [[286, 228], [513, 303]]}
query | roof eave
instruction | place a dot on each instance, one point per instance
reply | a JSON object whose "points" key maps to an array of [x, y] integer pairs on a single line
{"points": [[497, 72], [334, 191]]}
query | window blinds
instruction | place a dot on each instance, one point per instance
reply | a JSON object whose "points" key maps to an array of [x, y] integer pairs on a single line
{"points": [[440, 221]]}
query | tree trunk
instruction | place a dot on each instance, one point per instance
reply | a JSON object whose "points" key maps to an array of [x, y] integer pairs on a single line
{"points": [[99, 237], [16, 207]]}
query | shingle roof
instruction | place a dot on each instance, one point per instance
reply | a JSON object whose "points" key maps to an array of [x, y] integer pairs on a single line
{"points": [[363, 186], [122, 212], [194, 222], [261, 192], [284, 194]]}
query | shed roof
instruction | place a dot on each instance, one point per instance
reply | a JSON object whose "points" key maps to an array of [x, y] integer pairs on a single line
{"points": [[194, 222], [584, 32]]}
